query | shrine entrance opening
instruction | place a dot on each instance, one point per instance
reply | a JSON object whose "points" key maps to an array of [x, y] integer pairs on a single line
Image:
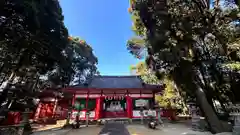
{"points": [[114, 107]]}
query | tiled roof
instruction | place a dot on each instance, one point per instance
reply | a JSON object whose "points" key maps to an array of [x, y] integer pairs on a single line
{"points": [[116, 82]]}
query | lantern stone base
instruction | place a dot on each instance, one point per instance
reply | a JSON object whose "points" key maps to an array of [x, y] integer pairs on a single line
{"points": [[130, 121], [236, 130], [199, 124]]}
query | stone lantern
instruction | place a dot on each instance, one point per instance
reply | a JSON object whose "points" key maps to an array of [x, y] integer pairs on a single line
{"points": [[194, 115], [235, 113], [87, 117], [159, 112], [24, 124], [141, 114]]}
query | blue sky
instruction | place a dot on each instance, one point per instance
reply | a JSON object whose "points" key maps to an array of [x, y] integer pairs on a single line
{"points": [[106, 26]]}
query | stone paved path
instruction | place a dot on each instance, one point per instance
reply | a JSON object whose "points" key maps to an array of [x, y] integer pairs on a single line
{"points": [[114, 129], [92, 130]]}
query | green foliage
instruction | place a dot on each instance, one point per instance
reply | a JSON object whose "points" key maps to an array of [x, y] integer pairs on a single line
{"points": [[137, 27], [136, 46], [170, 97], [188, 32], [36, 53], [233, 66], [84, 62], [31, 45], [146, 75], [193, 44]]}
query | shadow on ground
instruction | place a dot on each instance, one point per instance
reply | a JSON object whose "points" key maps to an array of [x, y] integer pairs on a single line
{"points": [[114, 129]]}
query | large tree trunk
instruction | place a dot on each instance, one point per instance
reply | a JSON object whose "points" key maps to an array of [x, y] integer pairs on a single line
{"points": [[215, 124], [211, 117], [190, 79], [210, 101]]}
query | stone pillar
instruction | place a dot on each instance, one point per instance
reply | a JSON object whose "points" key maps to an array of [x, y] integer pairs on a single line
{"points": [[142, 115], [159, 115], [78, 119], [24, 125], [235, 113], [69, 113], [87, 117], [195, 116]]}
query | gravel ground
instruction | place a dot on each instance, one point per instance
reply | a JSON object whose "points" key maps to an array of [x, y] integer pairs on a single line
{"points": [[168, 129], [93, 130], [53, 132], [114, 129]]}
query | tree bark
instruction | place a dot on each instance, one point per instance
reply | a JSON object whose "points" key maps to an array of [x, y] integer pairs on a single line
{"points": [[211, 117], [215, 124], [5, 89], [210, 101], [3, 96]]}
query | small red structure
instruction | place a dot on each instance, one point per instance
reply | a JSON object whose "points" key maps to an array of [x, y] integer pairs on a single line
{"points": [[103, 97], [52, 106]]}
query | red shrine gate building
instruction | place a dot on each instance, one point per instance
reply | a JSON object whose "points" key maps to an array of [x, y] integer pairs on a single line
{"points": [[103, 97]]}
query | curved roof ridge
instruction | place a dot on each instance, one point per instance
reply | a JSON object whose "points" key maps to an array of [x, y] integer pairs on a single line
{"points": [[108, 81], [113, 76]]}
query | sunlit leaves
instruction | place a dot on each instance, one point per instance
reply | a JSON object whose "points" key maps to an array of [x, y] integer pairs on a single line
{"points": [[187, 32], [84, 62], [169, 96], [137, 25], [137, 47], [232, 66]]}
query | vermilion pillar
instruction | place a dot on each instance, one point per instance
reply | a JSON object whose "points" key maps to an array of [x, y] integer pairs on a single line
{"points": [[37, 113], [129, 106], [98, 110], [55, 107]]}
